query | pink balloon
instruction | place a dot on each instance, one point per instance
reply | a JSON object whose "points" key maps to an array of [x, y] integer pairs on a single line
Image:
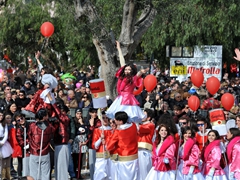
{"points": [[78, 85]]}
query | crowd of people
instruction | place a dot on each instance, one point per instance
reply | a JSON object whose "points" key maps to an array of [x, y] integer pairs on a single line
{"points": [[47, 125]]}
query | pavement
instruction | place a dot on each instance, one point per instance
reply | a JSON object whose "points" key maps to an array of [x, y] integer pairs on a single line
{"points": [[85, 173]]}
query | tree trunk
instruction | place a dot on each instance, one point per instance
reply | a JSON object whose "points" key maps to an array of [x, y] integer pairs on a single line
{"points": [[132, 30], [106, 55]]}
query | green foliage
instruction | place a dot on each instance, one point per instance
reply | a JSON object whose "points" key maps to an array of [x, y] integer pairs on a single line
{"points": [[21, 33], [194, 22]]}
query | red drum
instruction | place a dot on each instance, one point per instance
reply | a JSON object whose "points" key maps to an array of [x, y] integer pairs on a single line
{"points": [[97, 88], [218, 121]]}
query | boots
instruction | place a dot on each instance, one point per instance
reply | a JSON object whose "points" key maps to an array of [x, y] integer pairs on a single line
{"points": [[4, 174], [8, 174]]}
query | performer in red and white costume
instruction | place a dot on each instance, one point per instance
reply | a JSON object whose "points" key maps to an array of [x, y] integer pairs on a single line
{"points": [[163, 158], [233, 153], [128, 80], [100, 135], [211, 158], [201, 135], [145, 134], [189, 157], [125, 139]]}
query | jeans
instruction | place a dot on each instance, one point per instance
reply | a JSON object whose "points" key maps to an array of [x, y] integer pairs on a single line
{"points": [[71, 167]]}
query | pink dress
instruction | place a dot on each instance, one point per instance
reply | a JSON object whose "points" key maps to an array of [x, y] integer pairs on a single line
{"points": [[189, 156], [233, 154], [126, 101], [161, 170], [212, 157]]}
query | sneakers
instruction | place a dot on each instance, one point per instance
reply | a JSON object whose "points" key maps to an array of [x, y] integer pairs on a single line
{"points": [[13, 172]]}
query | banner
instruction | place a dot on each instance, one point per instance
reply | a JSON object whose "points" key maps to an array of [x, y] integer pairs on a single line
{"points": [[207, 59]]}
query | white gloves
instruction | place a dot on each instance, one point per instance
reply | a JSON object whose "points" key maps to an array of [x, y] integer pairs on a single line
{"points": [[190, 173], [231, 176], [211, 172], [166, 160], [26, 147]]}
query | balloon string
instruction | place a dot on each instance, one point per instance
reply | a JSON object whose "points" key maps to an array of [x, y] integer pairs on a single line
{"points": [[44, 41]]}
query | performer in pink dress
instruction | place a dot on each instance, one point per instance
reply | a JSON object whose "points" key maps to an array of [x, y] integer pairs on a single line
{"points": [[163, 156], [211, 158], [189, 157], [128, 80], [233, 153]]}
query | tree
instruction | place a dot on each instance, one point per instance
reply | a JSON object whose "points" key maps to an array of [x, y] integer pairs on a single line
{"points": [[194, 22], [134, 25], [20, 33]]}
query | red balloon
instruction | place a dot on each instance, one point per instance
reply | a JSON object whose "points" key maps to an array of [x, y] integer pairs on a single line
{"points": [[197, 78], [47, 29], [227, 101], [138, 91], [194, 102], [212, 85], [150, 82]]}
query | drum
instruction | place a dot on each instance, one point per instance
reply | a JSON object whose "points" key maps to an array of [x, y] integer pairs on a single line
{"points": [[217, 119], [97, 88]]}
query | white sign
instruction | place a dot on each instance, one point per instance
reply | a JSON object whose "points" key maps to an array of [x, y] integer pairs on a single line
{"points": [[207, 59]]}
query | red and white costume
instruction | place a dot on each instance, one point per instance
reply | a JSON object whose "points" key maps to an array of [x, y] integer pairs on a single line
{"points": [[125, 139], [212, 157], [233, 154], [145, 135], [201, 138], [161, 170], [126, 100], [102, 164], [189, 156]]}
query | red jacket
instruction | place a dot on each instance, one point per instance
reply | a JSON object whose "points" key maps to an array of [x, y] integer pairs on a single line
{"points": [[34, 137], [17, 150], [37, 103], [20, 139], [61, 136]]}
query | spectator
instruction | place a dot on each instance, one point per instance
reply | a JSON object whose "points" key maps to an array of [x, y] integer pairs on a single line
{"points": [[92, 122], [14, 95], [11, 108], [21, 125], [80, 142], [6, 149], [210, 103], [22, 101], [27, 87], [71, 101], [86, 101], [80, 93], [177, 101]]}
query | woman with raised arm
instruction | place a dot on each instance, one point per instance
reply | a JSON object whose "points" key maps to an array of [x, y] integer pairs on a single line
{"points": [[128, 80]]}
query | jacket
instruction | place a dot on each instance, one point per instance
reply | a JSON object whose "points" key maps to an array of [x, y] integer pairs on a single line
{"points": [[167, 150], [34, 136]]}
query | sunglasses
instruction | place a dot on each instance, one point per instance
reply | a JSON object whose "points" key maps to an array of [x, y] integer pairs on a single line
{"points": [[21, 95], [21, 118], [183, 123], [198, 125]]}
